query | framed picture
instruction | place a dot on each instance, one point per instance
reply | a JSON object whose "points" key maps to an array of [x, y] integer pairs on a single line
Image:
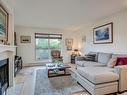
{"points": [[69, 44], [25, 39], [103, 34], [3, 24]]}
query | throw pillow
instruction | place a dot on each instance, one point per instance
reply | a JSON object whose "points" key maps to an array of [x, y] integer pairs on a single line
{"points": [[90, 57], [121, 61], [96, 53], [112, 62]]}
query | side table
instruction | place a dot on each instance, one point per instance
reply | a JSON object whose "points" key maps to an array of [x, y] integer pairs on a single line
{"points": [[73, 59]]}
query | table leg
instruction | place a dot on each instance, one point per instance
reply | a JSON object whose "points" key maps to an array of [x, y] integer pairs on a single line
{"points": [[64, 71], [48, 73]]}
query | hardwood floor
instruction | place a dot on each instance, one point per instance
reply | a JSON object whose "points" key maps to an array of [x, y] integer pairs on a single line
{"points": [[24, 82]]}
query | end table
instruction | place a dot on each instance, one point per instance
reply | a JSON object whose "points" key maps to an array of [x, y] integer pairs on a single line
{"points": [[73, 59]]}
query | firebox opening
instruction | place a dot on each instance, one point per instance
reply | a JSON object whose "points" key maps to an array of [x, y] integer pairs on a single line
{"points": [[4, 75]]}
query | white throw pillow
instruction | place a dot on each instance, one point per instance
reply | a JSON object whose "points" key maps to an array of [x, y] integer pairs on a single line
{"points": [[112, 62]]}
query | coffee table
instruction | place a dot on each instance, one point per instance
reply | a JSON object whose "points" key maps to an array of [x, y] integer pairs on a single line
{"points": [[54, 69]]}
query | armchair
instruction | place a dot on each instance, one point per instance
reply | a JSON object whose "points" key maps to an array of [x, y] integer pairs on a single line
{"points": [[56, 56]]}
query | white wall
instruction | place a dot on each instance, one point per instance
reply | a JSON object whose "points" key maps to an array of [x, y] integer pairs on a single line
{"points": [[119, 44], [27, 51]]}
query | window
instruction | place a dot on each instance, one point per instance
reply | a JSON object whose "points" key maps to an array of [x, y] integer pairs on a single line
{"points": [[45, 43]]}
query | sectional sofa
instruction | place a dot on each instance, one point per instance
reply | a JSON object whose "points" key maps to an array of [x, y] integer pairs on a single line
{"points": [[98, 78]]}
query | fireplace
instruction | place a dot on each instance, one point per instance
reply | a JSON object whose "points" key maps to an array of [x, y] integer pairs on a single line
{"points": [[4, 75]]}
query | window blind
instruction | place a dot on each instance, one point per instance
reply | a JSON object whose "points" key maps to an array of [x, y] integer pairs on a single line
{"points": [[48, 36]]}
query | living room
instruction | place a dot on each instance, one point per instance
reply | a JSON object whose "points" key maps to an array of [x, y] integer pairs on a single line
{"points": [[74, 27]]}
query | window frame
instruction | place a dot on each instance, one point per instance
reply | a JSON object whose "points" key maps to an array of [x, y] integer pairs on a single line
{"points": [[60, 37]]}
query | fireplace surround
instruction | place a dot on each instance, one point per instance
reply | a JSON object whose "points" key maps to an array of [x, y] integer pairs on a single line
{"points": [[4, 75], [7, 52]]}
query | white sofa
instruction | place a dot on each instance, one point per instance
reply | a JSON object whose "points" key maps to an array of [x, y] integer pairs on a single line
{"points": [[98, 79]]}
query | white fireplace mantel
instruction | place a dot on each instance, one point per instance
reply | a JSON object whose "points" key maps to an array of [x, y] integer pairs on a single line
{"points": [[10, 48], [8, 51]]}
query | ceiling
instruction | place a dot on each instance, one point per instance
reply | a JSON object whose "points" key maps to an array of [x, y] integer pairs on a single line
{"points": [[64, 14]]}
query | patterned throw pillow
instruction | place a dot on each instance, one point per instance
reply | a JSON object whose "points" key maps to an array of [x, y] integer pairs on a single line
{"points": [[112, 62], [90, 57]]}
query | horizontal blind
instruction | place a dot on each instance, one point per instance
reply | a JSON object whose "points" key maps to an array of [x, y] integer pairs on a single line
{"points": [[48, 36]]}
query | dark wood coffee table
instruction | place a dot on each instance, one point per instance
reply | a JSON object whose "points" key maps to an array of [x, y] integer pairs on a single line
{"points": [[55, 70]]}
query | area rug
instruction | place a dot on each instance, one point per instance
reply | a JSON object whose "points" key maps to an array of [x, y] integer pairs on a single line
{"points": [[64, 85], [15, 90]]}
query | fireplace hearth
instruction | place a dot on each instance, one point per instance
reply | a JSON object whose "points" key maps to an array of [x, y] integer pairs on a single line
{"points": [[4, 75]]}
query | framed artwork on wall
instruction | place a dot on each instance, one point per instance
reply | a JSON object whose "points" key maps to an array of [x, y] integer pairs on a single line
{"points": [[103, 34], [25, 39], [3, 24], [69, 44]]}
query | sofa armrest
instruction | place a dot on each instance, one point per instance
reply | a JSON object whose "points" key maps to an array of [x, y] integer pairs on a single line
{"points": [[79, 58], [79, 61], [122, 71]]}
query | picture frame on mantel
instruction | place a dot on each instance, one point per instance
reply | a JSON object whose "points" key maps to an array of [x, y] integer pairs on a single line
{"points": [[103, 34], [4, 17]]}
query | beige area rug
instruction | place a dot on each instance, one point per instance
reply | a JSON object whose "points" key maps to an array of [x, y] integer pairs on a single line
{"points": [[63, 85]]}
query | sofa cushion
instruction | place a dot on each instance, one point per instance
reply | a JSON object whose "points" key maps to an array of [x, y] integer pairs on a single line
{"points": [[89, 64], [104, 57], [112, 62], [90, 57], [79, 58], [98, 75], [96, 57], [80, 63]]}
